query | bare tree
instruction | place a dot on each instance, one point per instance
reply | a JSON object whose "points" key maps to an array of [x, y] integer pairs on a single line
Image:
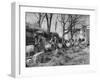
{"points": [[64, 20], [40, 17], [55, 25], [73, 20], [49, 20]]}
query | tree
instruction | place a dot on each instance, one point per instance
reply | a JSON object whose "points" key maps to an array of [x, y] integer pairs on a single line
{"points": [[55, 25], [63, 20], [40, 17], [49, 20], [73, 20]]}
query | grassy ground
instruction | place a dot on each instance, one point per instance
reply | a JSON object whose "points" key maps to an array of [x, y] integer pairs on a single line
{"points": [[59, 57]]}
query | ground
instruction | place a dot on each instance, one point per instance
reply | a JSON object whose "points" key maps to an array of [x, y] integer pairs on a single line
{"points": [[72, 56]]}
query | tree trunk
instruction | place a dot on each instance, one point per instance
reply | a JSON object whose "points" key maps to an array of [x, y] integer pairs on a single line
{"points": [[49, 20], [41, 18]]}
